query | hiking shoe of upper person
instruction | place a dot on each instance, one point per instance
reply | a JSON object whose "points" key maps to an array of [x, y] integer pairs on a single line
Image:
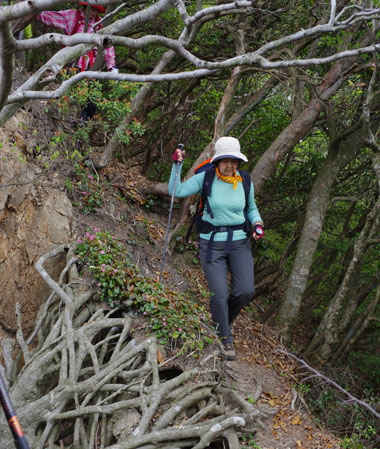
{"points": [[230, 351]]}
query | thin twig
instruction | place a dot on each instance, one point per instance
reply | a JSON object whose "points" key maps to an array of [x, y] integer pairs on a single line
{"points": [[330, 381]]}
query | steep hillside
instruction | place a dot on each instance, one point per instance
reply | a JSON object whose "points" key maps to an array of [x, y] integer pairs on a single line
{"points": [[45, 205]]}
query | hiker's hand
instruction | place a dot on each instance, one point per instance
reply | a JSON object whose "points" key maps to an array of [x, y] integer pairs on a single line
{"points": [[178, 155], [258, 231]]}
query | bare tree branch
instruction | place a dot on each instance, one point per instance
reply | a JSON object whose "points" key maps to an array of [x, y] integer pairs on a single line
{"points": [[6, 62], [80, 43], [27, 95]]}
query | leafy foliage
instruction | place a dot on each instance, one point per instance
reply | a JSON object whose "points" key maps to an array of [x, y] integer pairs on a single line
{"points": [[191, 247], [89, 187], [357, 427], [248, 441], [172, 316], [112, 101]]}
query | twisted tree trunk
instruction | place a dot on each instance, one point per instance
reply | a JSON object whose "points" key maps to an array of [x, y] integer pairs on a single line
{"points": [[315, 214], [334, 321]]}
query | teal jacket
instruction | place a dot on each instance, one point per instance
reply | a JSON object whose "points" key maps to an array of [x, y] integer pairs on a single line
{"points": [[226, 203]]}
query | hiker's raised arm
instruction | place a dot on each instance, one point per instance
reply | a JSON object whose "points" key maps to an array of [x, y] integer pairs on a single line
{"points": [[187, 188]]}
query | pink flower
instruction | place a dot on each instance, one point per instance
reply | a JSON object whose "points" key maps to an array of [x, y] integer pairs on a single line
{"points": [[113, 237], [99, 284], [84, 193], [79, 240], [102, 252], [90, 177], [179, 329], [103, 267], [96, 229], [144, 313], [114, 270], [92, 237], [88, 234]]}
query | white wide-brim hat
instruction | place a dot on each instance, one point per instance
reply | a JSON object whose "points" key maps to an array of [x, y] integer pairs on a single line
{"points": [[228, 148]]}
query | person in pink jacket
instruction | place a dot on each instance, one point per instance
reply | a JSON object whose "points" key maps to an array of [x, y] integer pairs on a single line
{"points": [[73, 21]]}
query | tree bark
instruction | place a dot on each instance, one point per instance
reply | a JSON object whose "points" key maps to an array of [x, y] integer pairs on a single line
{"points": [[62, 57], [332, 324], [337, 159], [6, 61], [338, 315]]}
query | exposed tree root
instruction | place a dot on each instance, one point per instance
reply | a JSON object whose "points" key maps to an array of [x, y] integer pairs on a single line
{"points": [[89, 384]]}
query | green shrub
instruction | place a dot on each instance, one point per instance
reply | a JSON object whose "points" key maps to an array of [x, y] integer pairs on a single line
{"points": [[173, 317], [113, 104], [191, 247], [89, 187], [348, 419]]}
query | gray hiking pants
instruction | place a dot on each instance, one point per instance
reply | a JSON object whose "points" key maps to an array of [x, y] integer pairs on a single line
{"points": [[225, 303]]}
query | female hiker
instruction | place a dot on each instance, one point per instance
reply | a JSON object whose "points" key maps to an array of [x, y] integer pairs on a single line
{"points": [[224, 247]]}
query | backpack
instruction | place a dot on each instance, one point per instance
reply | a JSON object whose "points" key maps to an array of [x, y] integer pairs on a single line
{"points": [[209, 169]]}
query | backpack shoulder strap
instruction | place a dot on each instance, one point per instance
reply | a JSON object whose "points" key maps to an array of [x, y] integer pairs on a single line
{"points": [[247, 180], [206, 189], [207, 180]]}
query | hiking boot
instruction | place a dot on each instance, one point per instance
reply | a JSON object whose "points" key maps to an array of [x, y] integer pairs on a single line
{"points": [[230, 351]]}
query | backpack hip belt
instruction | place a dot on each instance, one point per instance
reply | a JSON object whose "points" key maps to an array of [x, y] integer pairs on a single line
{"points": [[207, 227]]}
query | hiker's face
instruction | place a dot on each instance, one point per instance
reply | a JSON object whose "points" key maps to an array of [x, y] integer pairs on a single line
{"points": [[227, 167]]}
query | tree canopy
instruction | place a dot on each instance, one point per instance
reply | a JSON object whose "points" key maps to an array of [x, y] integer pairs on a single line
{"points": [[269, 47]]}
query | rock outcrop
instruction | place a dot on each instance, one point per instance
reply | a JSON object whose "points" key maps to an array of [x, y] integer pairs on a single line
{"points": [[33, 219]]}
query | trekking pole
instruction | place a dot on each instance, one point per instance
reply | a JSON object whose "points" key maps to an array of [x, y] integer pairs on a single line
{"points": [[177, 164], [13, 422]]}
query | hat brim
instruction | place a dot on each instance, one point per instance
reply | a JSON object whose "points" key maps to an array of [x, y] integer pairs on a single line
{"points": [[217, 158]]}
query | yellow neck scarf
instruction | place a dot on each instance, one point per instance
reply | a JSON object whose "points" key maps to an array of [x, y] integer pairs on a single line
{"points": [[230, 179]]}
